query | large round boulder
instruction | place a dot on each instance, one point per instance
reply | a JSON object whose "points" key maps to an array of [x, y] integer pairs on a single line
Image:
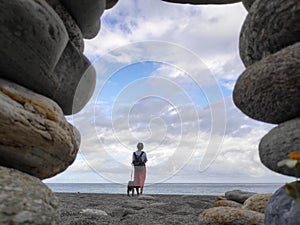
{"points": [[278, 143], [74, 32], [203, 2], [238, 195], [227, 203], [247, 3], [268, 90], [257, 202], [282, 209], [86, 14], [269, 27], [110, 3], [35, 137], [33, 38], [25, 200], [75, 80], [230, 216]]}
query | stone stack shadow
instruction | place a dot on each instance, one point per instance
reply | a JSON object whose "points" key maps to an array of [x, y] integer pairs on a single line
{"points": [[44, 76]]}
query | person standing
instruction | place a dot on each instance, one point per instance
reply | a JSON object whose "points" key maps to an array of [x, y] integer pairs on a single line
{"points": [[139, 159]]}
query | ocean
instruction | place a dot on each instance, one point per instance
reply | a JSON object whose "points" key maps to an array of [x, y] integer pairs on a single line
{"points": [[165, 188]]}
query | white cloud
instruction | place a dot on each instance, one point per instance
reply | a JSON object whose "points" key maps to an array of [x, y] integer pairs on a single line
{"points": [[211, 32], [107, 152], [174, 130]]}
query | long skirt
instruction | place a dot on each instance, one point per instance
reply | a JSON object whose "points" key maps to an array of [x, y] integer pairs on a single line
{"points": [[139, 176]]}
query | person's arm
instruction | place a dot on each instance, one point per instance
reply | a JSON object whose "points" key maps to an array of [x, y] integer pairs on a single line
{"points": [[145, 157]]}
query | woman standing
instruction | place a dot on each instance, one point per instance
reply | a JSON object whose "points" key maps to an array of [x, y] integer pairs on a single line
{"points": [[139, 159]]}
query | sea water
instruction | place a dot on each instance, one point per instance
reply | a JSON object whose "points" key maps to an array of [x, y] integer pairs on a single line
{"points": [[165, 188]]}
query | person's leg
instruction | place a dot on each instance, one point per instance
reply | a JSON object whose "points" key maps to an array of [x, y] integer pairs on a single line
{"points": [[142, 178], [137, 190], [136, 181]]}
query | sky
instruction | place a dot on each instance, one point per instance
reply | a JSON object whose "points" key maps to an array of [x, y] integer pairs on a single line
{"points": [[165, 76]]}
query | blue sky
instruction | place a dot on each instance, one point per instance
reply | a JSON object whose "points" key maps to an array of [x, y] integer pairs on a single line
{"points": [[165, 75]]}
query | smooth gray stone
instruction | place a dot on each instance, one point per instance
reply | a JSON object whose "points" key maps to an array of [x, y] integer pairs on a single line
{"points": [[86, 14], [282, 209], [278, 143], [35, 137], [70, 85], [75, 80], [269, 27], [203, 2], [269, 90], [247, 4], [137, 204], [96, 212], [33, 38], [110, 3], [238, 195], [25, 200], [73, 30]]}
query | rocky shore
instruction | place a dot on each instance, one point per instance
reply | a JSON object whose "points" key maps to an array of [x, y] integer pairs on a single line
{"points": [[235, 207], [116, 209]]}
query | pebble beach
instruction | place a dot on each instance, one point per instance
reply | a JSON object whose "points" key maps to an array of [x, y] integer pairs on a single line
{"points": [[116, 209]]}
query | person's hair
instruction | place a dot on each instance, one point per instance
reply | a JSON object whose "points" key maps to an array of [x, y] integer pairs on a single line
{"points": [[140, 145]]}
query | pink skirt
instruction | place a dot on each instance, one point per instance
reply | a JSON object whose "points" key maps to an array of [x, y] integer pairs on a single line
{"points": [[139, 177]]}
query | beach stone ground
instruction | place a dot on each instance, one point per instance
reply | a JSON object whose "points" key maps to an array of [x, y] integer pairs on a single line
{"points": [[121, 209]]}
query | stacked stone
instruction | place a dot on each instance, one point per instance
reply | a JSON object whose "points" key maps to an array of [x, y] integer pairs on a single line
{"points": [[269, 89], [203, 2], [43, 77]]}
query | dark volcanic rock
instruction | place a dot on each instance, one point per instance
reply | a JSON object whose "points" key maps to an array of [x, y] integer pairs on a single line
{"points": [[35, 137], [33, 38], [25, 200], [70, 85], [39, 59], [278, 143], [269, 27], [269, 90], [203, 2], [75, 80], [73, 30], [247, 3], [86, 14], [110, 3], [282, 209]]}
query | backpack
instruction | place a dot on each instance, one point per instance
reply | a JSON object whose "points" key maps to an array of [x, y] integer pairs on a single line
{"points": [[138, 160]]}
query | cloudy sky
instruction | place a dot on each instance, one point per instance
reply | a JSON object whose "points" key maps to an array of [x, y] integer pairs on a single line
{"points": [[165, 75]]}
